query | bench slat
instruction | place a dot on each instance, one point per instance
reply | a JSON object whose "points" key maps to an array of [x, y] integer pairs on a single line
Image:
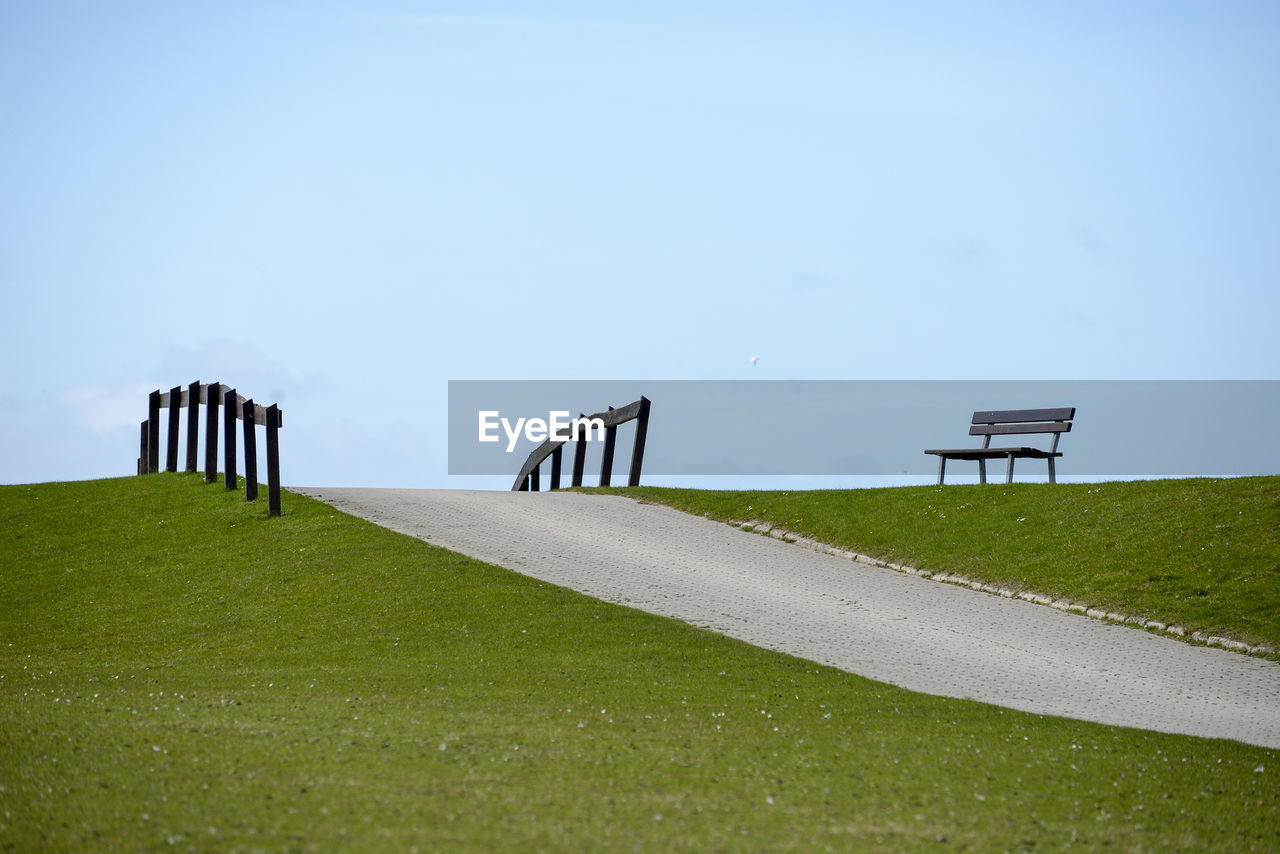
{"points": [[1009, 416], [1008, 429]]}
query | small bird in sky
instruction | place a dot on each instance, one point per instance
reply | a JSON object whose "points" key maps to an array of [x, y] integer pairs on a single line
{"points": [[754, 359]]}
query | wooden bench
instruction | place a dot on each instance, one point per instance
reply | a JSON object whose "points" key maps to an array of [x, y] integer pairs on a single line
{"points": [[988, 423]]}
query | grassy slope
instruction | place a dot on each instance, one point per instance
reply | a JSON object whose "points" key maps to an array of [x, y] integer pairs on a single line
{"points": [[176, 669], [1204, 554]]}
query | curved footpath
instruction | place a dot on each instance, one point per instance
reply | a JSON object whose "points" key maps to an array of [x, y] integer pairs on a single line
{"points": [[891, 626]]}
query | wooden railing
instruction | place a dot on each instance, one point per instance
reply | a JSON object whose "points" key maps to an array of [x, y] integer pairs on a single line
{"points": [[528, 479], [235, 408]]}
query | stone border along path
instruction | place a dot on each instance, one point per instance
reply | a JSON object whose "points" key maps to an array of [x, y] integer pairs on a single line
{"points": [[873, 621]]}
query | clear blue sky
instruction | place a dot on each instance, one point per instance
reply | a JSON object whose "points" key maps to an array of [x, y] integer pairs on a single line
{"points": [[342, 206]]}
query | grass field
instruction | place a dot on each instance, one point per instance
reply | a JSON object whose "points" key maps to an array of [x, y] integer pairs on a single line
{"points": [[1200, 553], [180, 672]]}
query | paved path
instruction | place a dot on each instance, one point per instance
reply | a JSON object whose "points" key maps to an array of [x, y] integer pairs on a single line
{"points": [[890, 626]]}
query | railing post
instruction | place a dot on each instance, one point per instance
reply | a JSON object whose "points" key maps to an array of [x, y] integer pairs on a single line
{"points": [[171, 450], [637, 450], [153, 431], [250, 452], [229, 414], [211, 433], [606, 466], [555, 467], [193, 424], [273, 460], [579, 456]]}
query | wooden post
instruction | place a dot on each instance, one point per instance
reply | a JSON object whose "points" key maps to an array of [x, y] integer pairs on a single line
{"points": [[153, 431], [579, 456], [555, 467], [143, 456], [171, 450], [250, 452], [606, 467], [273, 460], [637, 450], [211, 434], [193, 424], [229, 414]]}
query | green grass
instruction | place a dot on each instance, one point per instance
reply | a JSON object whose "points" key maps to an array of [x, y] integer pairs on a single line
{"points": [[1203, 554], [180, 672]]}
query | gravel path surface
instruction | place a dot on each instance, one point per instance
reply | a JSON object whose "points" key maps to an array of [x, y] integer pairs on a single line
{"points": [[890, 626]]}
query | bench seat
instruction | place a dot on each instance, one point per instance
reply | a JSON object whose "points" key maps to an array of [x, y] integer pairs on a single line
{"points": [[994, 453]]}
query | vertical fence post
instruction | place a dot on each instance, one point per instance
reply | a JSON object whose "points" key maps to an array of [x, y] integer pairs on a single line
{"points": [[142, 449], [153, 431], [606, 466], [555, 466], [250, 452], [171, 450], [211, 433], [637, 450], [273, 460], [579, 455], [193, 424], [229, 414]]}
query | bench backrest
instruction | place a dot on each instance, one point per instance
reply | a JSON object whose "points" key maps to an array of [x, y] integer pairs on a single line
{"points": [[1001, 422]]}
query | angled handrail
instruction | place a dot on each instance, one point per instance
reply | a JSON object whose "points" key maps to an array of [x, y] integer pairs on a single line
{"points": [[236, 408], [528, 480]]}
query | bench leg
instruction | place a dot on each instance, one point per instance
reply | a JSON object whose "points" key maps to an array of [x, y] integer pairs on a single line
{"points": [[982, 471], [1008, 475], [1051, 471], [942, 468]]}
